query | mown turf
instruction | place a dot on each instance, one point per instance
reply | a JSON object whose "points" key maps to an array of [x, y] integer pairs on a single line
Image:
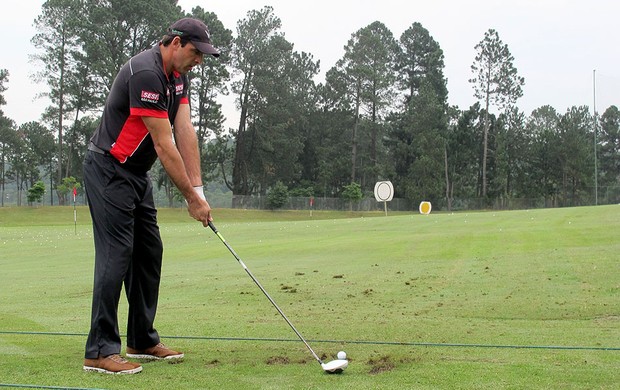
{"points": [[501, 300]]}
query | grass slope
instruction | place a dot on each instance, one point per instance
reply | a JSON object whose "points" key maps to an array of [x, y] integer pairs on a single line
{"points": [[501, 300]]}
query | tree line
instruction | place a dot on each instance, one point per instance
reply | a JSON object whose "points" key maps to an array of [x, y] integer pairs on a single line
{"points": [[380, 114]]}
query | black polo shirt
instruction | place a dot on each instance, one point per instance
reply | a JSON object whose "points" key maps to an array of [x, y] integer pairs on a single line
{"points": [[140, 89]]}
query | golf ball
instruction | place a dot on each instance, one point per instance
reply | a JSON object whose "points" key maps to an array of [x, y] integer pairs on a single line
{"points": [[342, 355]]}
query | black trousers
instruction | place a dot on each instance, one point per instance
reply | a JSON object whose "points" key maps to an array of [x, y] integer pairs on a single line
{"points": [[128, 250]]}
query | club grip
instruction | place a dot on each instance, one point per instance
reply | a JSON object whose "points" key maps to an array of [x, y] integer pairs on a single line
{"points": [[212, 226]]}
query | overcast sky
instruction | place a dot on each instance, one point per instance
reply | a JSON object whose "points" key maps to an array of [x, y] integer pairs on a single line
{"points": [[557, 44]]}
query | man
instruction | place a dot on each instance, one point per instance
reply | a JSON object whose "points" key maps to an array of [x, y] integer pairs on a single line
{"points": [[146, 116]]}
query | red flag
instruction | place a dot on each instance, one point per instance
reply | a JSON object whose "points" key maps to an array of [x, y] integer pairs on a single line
{"points": [[74, 194]]}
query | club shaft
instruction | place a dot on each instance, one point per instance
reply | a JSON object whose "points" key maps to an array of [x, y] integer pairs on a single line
{"points": [[219, 235]]}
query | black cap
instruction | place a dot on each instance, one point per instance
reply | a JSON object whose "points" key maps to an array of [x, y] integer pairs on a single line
{"points": [[196, 32]]}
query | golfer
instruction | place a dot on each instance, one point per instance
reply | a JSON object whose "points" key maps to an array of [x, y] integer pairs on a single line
{"points": [[146, 116]]}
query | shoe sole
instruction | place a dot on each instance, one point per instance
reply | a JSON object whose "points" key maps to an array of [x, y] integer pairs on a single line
{"points": [[153, 357], [104, 371]]}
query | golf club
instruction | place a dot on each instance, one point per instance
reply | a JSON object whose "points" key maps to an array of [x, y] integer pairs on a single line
{"points": [[332, 367]]}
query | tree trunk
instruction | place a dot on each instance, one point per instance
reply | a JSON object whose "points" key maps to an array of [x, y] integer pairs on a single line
{"points": [[485, 141], [239, 174], [354, 137], [445, 160], [60, 115]]}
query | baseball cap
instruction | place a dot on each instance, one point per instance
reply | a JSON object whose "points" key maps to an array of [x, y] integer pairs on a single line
{"points": [[196, 32]]}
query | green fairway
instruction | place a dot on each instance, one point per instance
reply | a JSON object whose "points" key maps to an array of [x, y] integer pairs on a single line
{"points": [[485, 300]]}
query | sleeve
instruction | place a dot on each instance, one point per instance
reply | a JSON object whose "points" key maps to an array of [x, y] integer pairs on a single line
{"points": [[185, 94], [147, 95]]}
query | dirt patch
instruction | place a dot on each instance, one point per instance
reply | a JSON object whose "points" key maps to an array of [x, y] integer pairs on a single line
{"points": [[278, 360], [382, 364], [288, 289]]}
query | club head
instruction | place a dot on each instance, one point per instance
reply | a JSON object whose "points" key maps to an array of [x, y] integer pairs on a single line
{"points": [[335, 366]]}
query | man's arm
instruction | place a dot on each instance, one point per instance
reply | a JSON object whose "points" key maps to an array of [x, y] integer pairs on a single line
{"points": [[187, 144], [173, 163]]}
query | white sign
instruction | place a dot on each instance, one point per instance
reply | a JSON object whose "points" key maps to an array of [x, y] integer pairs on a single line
{"points": [[384, 191]]}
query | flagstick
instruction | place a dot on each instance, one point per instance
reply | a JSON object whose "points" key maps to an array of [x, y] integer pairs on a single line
{"points": [[74, 213]]}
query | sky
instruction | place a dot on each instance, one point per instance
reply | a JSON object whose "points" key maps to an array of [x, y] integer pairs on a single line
{"points": [[568, 51]]}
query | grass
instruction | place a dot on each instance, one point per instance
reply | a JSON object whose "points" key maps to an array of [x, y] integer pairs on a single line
{"points": [[486, 300]]}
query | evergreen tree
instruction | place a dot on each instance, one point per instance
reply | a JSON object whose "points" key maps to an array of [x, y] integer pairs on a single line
{"points": [[609, 141], [495, 82]]}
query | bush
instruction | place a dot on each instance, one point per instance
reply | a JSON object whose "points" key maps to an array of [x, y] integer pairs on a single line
{"points": [[36, 192], [300, 192], [352, 193], [277, 196]]}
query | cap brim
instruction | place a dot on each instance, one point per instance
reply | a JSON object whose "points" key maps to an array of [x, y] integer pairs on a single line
{"points": [[206, 48]]}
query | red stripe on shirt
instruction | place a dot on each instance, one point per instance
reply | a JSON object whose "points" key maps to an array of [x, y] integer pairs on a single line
{"points": [[137, 111], [131, 136]]}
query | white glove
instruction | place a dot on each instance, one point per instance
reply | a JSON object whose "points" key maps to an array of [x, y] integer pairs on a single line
{"points": [[201, 192]]}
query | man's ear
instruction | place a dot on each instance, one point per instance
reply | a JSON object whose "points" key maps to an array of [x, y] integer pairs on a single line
{"points": [[176, 41]]}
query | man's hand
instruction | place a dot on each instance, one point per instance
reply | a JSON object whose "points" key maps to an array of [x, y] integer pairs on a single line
{"points": [[197, 212], [199, 209]]}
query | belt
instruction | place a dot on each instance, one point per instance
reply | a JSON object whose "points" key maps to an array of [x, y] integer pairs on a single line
{"points": [[94, 148]]}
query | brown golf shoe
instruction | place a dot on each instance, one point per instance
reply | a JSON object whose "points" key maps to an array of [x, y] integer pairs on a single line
{"points": [[112, 364], [157, 352]]}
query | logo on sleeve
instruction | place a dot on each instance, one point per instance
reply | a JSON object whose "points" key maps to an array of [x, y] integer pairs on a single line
{"points": [[150, 97], [179, 89]]}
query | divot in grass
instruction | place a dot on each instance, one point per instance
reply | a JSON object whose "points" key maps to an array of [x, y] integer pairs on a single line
{"points": [[288, 289], [382, 364], [278, 360]]}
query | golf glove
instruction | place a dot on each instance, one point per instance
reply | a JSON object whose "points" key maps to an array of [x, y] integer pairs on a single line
{"points": [[201, 192]]}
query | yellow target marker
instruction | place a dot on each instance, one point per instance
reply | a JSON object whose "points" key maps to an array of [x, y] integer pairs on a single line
{"points": [[425, 208]]}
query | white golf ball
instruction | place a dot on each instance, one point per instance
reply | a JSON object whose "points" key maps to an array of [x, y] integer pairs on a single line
{"points": [[342, 355]]}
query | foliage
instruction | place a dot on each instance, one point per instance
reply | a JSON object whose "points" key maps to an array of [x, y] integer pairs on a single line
{"points": [[36, 192], [352, 192], [609, 141], [209, 81], [67, 185], [302, 192], [420, 59], [381, 112], [576, 161], [4, 78], [8, 138], [275, 95], [277, 196], [363, 80], [495, 82]]}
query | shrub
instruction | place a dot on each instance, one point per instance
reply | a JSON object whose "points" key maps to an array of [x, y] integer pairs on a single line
{"points": [[277, 196]]}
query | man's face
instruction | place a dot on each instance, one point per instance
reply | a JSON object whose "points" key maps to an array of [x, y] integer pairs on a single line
{"points": [[186, 57]]}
